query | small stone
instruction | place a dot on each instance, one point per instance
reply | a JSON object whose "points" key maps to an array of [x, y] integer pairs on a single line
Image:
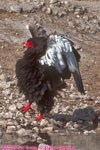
{"points": [[53, 122], [10, 129], [8, 115], [76, 125], [12, 108], [27, 115], [43, 123], [68, 125], [4, 85], [34, 136], [78, 47], [19, 105], [10, 123], [75, 96], [15, 8], [62, 13], [92, 132], [86, 132], [6, 92], [22, 141], [19, 114], [53, 1], [56, 109], [39, 140], [34, 123], [63, 109], [23, 132], [18, 127], [5, 78], [3, 123], [12, 96], [97, 102], [48, 11], [47, 129], [36, 129]]}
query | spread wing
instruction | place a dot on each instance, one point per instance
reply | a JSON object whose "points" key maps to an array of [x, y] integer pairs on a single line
{"points": [[61, 55]]}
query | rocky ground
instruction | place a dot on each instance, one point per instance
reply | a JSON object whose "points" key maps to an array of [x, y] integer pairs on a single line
{"points": [[77, 20]]}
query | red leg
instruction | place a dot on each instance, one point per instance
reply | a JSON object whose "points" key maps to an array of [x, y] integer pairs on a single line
{"points": [[40, 117], [25, 109]]}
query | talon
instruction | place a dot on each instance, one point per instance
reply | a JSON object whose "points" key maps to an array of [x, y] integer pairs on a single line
{"points": [[25, 109], [39, 118]]}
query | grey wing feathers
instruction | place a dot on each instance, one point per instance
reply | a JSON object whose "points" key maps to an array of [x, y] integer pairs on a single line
{"points": [[60, 55], [73, 67]]}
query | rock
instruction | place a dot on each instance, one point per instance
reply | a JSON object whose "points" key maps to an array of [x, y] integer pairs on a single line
{"points": [[4, 85], [12, 108], [10, 129], [71, 9], [6, 92], [5, 78], [61, 13], [47, 129], [34, 123], [97, 102], [53, 122], [48, 11], [63, 109], [23, 140], [55, 11], [36, 129], [56, 109], [10, 123], [78, 47], [75, 96], [15, 8], [19, 114], [18, 127], [19, 105], [68, 124], [27, 115], [43, 123], [3, 123], [92, 132], [34, 136], [39, 140], [23, 132], [12, 96], [53, 1], [80, 11], [8, 115], [86, 132]]}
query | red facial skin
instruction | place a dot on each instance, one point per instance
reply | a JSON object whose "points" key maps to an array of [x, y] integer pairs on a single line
{"points": [[25, 109], [29, 44]]}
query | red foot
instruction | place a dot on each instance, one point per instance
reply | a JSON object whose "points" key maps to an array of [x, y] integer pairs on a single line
{"points": [[39, 118], [25, 109]]}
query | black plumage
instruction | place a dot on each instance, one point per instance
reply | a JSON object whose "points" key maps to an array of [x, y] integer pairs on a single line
{"points": [[36, 80], [31, 78]]}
